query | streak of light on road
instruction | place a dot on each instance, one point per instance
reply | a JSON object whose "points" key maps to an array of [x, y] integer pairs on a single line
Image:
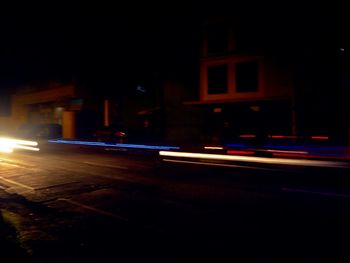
{"points": [[264, 160], [118, 145], [7, 145]]}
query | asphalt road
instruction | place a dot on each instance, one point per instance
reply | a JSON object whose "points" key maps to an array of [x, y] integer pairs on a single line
{"points": [[78, 204]]}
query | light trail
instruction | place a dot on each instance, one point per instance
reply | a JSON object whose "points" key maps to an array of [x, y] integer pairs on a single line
{"points": [[265, 160], [7, 145], [117, 145]]}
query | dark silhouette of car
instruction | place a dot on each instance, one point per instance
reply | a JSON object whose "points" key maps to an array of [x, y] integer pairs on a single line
{"points": [[110, 134]]}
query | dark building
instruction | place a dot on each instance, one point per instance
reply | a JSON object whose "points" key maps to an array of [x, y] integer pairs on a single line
{"points": [[242, 90]]}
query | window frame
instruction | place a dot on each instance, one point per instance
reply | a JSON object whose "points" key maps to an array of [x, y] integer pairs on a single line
{"points": [[231, 78]]}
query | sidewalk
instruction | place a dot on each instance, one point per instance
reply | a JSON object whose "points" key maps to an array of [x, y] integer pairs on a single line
{"points": [[11, 247]]}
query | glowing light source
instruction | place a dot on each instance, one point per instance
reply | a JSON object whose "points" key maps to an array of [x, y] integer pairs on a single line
{"points": [[8, 144], [213, 148], [26, 147], [284, 137]]}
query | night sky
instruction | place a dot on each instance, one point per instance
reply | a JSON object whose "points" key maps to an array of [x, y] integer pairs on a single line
{"points": [[114, 45], [94, 44]]}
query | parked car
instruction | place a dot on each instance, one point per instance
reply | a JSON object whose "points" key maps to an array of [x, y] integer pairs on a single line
{"points": [[110, 134]]}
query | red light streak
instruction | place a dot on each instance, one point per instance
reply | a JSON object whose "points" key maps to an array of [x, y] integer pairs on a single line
{"points": [[284, 137], [320, 137], [240, 152], [247, 136]]}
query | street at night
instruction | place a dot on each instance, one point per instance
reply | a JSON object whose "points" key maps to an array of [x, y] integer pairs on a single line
{"points": [[70, 203], [174, 132]]}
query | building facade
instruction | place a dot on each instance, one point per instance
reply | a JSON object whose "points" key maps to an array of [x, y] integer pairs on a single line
{"points": [[241, 91], [51, 104]]}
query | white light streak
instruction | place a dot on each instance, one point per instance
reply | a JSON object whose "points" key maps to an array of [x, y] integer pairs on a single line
{"points": [[5, 149], [7, 145], [213, 148], [16, 141], [292, 152], [265, 160], [26, 147]]}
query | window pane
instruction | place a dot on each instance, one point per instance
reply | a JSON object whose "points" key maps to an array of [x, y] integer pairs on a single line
{"points": [[247, 76], [217, 79]]}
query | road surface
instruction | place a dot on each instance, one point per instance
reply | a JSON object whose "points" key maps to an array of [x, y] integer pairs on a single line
{"points": [[82, 204]]}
